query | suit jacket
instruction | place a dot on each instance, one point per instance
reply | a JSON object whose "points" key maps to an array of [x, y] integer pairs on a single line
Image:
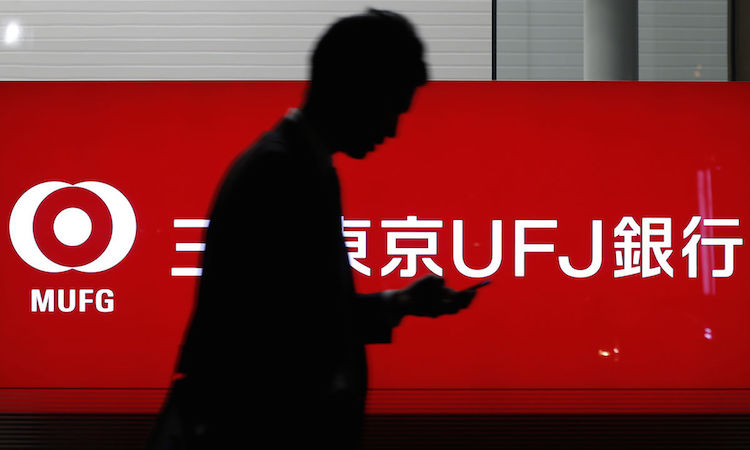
{"points": [[278, 331]]}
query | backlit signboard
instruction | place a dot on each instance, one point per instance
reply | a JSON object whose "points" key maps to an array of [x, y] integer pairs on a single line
{"points": [[610, 218]]}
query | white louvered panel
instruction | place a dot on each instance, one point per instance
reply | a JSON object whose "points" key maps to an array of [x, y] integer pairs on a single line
{"points": [[212, 6], [121, 39]]}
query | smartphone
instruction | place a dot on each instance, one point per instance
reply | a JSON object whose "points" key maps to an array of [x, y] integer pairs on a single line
{"points": [[478, 285]]}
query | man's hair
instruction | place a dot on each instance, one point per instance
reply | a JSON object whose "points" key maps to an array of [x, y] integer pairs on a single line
{"points": [[377, 48]]}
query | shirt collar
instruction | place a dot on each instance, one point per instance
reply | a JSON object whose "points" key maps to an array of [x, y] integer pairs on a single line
{"points": [[321, 150]]}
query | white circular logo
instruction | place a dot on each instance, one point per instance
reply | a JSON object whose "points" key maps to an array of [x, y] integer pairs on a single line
{"points": [[72, 227]]}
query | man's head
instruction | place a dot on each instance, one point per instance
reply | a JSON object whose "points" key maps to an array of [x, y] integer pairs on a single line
{"points": [[365, 70]]}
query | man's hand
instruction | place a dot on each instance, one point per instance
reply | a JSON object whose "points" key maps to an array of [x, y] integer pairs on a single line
{"points": [[429, 297]]}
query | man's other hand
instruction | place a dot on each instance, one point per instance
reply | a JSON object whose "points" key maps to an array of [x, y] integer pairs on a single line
{"points": [[429, 297]]}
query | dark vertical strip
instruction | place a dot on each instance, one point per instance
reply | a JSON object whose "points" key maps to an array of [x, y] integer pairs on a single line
{"points": [[494, 39], [731, 71]]}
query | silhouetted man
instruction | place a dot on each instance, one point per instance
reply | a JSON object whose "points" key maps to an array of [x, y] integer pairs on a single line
{"points": [[275, 356]]}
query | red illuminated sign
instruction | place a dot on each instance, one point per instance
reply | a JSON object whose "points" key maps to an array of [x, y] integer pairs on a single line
{"points": [[610, 218]]}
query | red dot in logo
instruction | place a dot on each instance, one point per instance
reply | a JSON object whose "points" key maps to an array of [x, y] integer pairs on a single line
{"points": [[72, 226]]}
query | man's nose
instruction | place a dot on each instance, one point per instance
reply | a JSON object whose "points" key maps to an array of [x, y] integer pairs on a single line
{"points": [[392, 127]]}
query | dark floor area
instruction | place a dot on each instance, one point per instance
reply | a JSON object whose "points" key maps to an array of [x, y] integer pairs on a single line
{"points": [[85, 431]]}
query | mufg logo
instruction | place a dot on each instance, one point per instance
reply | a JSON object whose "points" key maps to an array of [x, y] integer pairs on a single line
{"points": [[53, 236]]}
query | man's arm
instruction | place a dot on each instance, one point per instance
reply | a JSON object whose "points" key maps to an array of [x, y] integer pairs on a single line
{"points": [[380, 312]]}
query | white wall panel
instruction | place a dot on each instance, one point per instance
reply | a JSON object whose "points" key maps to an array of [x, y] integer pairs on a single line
{"points": [[271, 39], [133, 39]]}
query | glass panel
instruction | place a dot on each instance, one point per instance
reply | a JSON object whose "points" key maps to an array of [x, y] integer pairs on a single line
{"points": [[540, 40], [682, 41], [677, 40]]}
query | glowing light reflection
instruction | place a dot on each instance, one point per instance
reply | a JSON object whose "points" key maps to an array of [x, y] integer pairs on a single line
{"points": [[12, 33]]}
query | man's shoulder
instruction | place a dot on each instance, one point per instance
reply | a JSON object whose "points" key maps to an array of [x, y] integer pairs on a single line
{"points": [[273, 153], [272, 165], [271, 148]]}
